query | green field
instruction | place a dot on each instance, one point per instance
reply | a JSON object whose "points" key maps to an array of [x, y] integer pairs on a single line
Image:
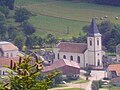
{"points": [[55, 16]]}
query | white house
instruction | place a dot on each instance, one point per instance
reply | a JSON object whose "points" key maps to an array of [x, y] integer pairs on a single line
{"points": [[8, 50], [89, 53]]}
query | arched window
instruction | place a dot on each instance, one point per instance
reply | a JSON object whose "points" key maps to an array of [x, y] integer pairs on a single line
{"points": [[58, 55], [90, 42], [64, 57], [98, 62], [78, 59], [7, 54], [71, 58], [11, 55], [97, 41]]}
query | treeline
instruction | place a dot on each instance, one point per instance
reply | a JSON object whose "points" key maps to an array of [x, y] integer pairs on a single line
{"points": [[108, 2], [102, 2]]}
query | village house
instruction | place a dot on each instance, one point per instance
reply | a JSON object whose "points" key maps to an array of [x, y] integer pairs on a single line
{"points": [[7, 49], [113, 71], [8, 52], [67, 68], [89, 53]]}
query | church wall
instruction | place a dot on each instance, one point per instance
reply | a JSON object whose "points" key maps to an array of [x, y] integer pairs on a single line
{"points": [[94, 43], [94, 58], [55, 50], [75, 55], [86, 58], [90, 58]]}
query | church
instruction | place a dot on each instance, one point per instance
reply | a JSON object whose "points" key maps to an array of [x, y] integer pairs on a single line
{"points": [[84, 54]]}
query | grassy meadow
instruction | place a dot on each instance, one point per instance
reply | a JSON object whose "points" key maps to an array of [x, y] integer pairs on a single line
{"points": [[52, 16]]}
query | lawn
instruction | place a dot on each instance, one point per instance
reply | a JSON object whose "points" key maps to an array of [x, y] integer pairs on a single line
{"points": [[79, 81], [55, 16]]}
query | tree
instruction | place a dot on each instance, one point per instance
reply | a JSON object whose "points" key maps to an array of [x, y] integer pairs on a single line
{"points": [[10, 4], [28, 29], [19, 41], [21, 15], [7, 3], [26, 77], [41, 41], [51, 40], [4, 10], [2, 18], [12, 32]]}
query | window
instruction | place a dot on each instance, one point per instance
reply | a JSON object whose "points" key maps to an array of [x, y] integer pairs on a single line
{"points": [[7, 54], [78, 59], [11, 55], [64, 57], [71, 58], [58, 55], [90, 42], [97, 41], [98, 62]]}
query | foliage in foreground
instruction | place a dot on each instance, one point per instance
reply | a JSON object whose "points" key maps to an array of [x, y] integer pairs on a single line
{"points": [[26, 77]]}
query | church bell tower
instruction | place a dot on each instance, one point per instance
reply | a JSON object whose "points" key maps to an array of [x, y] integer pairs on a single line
{"points": [[94, 44]]}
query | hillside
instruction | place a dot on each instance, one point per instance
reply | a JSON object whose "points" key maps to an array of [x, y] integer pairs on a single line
{"points": [[55, 16]]}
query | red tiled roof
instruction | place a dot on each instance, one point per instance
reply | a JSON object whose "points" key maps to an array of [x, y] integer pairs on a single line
{"points": [[72, 47], [61, 63], [114, 67]]}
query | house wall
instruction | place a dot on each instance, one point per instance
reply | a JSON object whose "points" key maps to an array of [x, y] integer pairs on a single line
{"points": [[118, 57], [13, 53], [69, 70]]}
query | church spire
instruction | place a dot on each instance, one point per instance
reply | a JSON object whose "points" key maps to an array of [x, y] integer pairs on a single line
{"points": [[93, 28]]}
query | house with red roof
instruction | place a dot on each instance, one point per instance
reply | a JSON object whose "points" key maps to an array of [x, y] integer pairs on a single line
{"points": [[84, 54], [66, 67], [113, 71]]}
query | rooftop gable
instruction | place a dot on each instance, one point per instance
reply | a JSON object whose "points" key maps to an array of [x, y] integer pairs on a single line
{"points": [[72, 47]]}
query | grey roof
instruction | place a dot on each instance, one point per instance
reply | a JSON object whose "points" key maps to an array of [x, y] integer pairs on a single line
{"points": [[93, 29]]}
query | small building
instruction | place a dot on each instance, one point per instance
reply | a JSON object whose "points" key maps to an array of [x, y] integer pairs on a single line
{"points": [[113, 71], [84, 54], [7, 49], [118, 53], [66, 67]]}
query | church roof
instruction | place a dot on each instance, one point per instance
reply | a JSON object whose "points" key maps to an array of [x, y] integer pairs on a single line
{"points": [[93, 28], [72, 47]]}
